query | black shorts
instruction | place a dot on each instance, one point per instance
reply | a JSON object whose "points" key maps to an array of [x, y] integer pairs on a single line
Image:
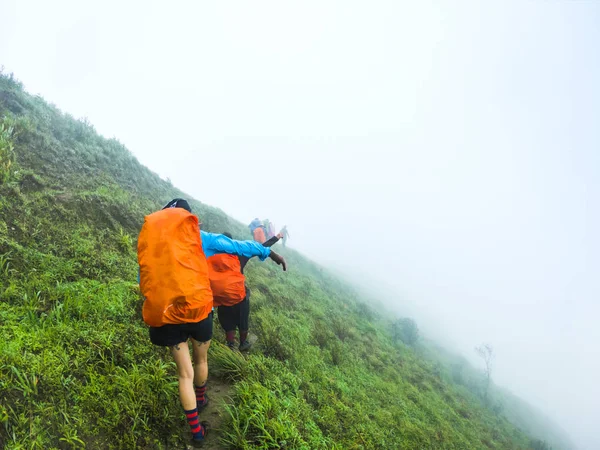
{"points": [[173, 334], [235, 316]]}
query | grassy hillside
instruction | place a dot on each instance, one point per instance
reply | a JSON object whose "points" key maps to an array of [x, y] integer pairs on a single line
{"points": [[76, 366]]}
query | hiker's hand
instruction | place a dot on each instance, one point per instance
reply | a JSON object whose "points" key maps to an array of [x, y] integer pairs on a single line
{"points": [[278, 259], [280, 236]]}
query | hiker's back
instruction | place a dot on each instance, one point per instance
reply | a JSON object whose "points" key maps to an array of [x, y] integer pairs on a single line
{"points": [[226, 279], [173, 269]]}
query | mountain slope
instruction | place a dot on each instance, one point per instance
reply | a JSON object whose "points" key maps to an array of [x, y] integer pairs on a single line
{"points": [[77, 368]]}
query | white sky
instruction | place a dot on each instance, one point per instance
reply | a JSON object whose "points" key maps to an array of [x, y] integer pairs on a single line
{"points": [[448, 149]]}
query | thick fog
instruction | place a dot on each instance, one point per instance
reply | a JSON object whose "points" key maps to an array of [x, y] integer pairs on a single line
{"points": [[449, 153]]}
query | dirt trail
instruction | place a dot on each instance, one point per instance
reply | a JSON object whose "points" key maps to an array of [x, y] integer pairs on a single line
{"points": [[218, 392]]}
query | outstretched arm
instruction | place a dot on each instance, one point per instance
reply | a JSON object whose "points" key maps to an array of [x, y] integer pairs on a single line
{"points": [[278, 259], [271, 241], [213, 244], [244, 259]]}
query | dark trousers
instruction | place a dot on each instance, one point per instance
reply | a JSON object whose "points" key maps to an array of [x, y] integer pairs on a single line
{"points": [[235, 316]]}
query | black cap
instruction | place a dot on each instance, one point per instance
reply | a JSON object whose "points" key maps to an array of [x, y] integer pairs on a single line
{"points": [[178, 203]]}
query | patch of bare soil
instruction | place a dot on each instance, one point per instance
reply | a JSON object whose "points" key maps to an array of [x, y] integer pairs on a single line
{"points": [[218, 393]]}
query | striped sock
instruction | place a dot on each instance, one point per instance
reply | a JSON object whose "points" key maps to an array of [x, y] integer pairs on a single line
{"points": [[200, 391], [195, 425]]}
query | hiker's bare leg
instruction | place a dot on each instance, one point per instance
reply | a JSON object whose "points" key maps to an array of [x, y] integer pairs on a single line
{"points": [[185, 373], [200, 350]]}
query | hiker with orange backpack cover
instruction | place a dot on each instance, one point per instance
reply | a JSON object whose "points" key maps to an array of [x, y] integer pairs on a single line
{"points": [[259, 234], [231, 294], [178, 300]]}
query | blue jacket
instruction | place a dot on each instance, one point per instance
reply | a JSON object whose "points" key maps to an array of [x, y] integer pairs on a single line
{"points": [[214, 244], [254, 225]]}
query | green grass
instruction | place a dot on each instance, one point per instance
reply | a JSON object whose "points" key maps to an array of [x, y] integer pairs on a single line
{"points": [[77, 369]]}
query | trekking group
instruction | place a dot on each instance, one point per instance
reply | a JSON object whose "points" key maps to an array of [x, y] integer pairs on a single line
{"points": [[185, 273], [265, 229]]}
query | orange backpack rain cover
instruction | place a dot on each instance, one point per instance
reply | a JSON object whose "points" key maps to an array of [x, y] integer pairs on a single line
{"points": [[259, 235], [226, 279], [173, 269]]}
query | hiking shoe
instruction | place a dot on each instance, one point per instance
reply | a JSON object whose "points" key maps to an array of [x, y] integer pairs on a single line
{"points": [[198, 443], [202, 405], [231, 345], [245, 346]]}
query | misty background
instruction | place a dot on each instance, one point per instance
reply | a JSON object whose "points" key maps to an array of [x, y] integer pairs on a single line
{"points": [[447, 152]]}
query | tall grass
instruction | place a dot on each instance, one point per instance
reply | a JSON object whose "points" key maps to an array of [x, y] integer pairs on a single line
{"points": [[76, 366]]}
